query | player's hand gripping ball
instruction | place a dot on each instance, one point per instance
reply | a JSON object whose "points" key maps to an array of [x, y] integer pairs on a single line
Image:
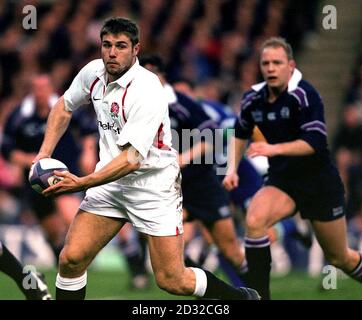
{"points": [[41, 175]]}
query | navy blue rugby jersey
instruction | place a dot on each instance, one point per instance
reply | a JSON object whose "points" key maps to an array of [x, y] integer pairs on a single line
{"points": [[187, 114], [298, 113]]}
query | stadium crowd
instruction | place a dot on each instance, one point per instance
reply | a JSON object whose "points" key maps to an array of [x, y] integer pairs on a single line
{"points": [[212, 44]]}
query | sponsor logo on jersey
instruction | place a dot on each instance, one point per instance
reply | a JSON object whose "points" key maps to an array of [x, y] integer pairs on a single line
{"points": [[109, 126]]}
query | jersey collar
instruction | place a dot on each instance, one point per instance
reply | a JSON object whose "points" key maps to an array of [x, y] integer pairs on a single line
{"points": [[292, 84], [27, 107], [122, 81], [129, 75]]}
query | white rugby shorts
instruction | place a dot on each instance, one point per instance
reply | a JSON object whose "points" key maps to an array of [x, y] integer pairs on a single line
{"points": [[152, 202]]}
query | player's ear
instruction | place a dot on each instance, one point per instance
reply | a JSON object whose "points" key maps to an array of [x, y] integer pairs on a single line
{"points": [[292, 64], [136, 49]]}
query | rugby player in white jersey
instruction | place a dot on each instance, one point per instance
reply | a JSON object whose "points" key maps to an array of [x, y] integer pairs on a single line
{"points": [[137, 179]]}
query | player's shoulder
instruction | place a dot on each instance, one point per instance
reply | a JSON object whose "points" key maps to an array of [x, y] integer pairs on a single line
{"points": [[145, 76], [193, 106], [307, 87], [187, 101], [91, 71], [15, 118], [94, 65], [248, 98], [305, 93]]}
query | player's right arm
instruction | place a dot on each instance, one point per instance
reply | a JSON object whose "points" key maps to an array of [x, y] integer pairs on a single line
{"points": [[243, 130], [235, 153], [57, 124], [61, 114]]}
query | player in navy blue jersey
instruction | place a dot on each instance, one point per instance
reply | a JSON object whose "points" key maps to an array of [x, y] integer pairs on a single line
{"points": [[23, 135], [203, 196], [250, 176], [250, 180], [289, 113]]}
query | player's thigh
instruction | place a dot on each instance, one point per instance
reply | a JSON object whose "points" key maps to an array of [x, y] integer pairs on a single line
{"points": [[68, 206], [89, 233], [166, 255], [332, 237], [268, 206]]}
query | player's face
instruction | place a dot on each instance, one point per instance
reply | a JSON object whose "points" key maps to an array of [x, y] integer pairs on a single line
{"points": [[276, 68], [118, 54]]}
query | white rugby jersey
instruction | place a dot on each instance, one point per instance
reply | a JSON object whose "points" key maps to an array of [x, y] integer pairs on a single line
{"points": [[133, 109]]}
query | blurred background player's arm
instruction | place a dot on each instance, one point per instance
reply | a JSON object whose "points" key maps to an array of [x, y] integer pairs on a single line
{"points": [[85, 124], [9, 147], [22, 159], [198, 150], [294, 148], [235, 153], [88, 158], [257, 135]]}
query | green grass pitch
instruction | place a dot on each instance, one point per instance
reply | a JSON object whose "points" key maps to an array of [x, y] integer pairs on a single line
{"points": [[113, 285]]}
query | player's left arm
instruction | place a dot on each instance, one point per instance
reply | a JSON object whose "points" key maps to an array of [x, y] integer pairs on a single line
{"points": [[294, 148], [125, 163], [313, 131]]}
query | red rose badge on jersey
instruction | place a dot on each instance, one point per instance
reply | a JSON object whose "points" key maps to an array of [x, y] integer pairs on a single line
{"points": [[114, 110]]}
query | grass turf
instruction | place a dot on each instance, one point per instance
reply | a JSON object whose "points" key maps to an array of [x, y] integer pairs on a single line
{"points": [[113, 285]]}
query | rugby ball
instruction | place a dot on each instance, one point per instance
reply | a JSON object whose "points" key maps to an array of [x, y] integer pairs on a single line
{"points": [[41, 175]]}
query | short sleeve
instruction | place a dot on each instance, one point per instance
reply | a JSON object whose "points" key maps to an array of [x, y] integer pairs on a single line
{"points": [[313, 129], [78, 93], [244, 125]]}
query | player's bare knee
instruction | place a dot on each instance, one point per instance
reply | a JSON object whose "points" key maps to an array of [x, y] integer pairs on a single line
{"points": [[255, 224], [71, 260], [171, 283], [163, 280]]}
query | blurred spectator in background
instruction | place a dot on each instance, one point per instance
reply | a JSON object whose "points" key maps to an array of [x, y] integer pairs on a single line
{"points": [[198, 40]]}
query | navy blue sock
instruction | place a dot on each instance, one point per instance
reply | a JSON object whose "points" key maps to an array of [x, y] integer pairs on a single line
{"points": [[218, 289], [259, 265], [61, 294], [234, 276]]}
